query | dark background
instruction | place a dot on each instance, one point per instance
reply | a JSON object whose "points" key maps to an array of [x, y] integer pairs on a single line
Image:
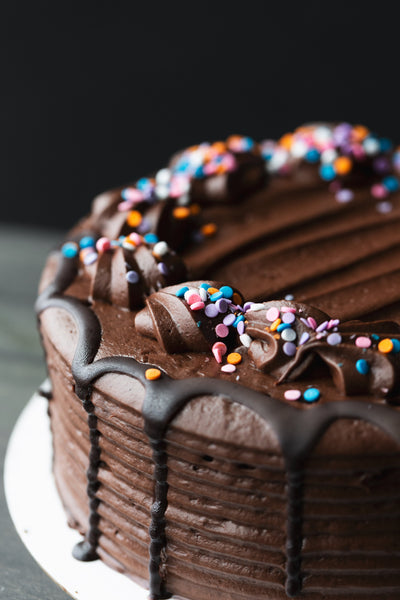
{"points": [[95, 94]]}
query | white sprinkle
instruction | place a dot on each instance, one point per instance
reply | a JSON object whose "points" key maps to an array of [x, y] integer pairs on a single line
{"points": [[384, 207], [162, 192], [163, 177], [245, 339], [328, 156], [203, 294], [160, 249], [256, 307]]}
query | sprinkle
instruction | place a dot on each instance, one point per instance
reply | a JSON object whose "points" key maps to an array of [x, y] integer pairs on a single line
{"points": [[288, 309], [103, 244], [151, 238], [162, 267], [192, 297], [234, 358], [391, 183], [205, 286], [333, 323], [221, 330], [385, 346], [181, 212], [256, 307], [289, 348], [240, 328], [362, 366], [238, 319], [203, 294], [132, 195], [375, 337], [70, 249], [211, 311], [228, 368], [216, 296], [152, 374], [160, 249], [344, 196], [379, 191], [384, 207], [275, 325], [237, 298], [222, 305], [312, 156], [247, 306], [132, 277], [327, 172], [272, 314], [209, 229], [227, 291], [197, 305], [312, 322], [182, 291], [288, 317], [311, 395], [305, 336], [289, 297], [163, 176], [212, 290], [396, 345], [229, 319], [292, 395], [283, 326], [322, 326], [289, 335], [134, 218], [363, 341], [219, 350], [334, 339], [245, 340], [343, 165], [87, 242], [90, 258], [128, 244]]}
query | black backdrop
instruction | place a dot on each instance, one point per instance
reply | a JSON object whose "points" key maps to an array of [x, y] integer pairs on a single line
{"points": [[94, 94]]}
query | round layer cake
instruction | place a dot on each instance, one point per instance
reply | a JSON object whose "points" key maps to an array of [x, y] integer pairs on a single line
{"points": [[223, 343]]}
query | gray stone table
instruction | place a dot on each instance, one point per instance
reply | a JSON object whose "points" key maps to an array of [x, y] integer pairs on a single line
{"points": [[22, 255]]}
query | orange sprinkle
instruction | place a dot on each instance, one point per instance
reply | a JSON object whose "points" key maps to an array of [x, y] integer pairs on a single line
{"points": [[152, 374], [277, 336], [209, 230], [234, 358], [219, 147], [286, 141], [233, 139], [275, 324], [360, 132], [181, 212], [212, 290], [237, 298], [195, 209], [385, 346], [343, 165], [134, 218], [220, 169]]}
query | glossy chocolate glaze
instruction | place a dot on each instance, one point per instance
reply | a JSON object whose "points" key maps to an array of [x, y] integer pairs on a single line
{"points": [[251, 256]]}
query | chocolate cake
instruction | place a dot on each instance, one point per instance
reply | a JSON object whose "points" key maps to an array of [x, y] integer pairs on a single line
{"points": [[223, 342]]}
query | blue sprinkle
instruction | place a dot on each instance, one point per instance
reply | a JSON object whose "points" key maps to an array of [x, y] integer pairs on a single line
{"points": [[327, 172], [143, 184], [69, 250], [391, 183], [227, 291], [162, 267], [87, 242], [375, 336], [311, 395], [216, 296], [283, 326], [182, 291], [205, 286], [237, 320], [312, 156], [151, 238], [385, 144], [362, 366], [132, 277], [247, 143], [396, 346], [199, 173], [198, 323]]}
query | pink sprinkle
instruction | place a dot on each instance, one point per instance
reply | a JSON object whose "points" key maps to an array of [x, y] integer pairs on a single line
{"points": [[379, 191], [334, 186], [123, 206], [363, 342], [229, 162], [132, 195], [333, 323], [292, 395], [103, 244], [210, 168], [221, 330], [219, 349], [312, 322], [197, 305], [179, 186], [193, 298], [272, 314], [286, 309], [228, 368], [136, 238]]}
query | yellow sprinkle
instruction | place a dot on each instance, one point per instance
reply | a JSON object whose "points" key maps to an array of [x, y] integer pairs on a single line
{"points": [[209, 229], [275, 324], [234, 358], [385, 346], [134, 218], [181, 212], [152, 374], [212, 290]]}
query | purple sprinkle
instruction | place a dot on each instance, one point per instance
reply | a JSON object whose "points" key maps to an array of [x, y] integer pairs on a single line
{"points": [[344, 196], [381, 165], [222, 305], [144, 226], [247, 306], [384, 207], [304, 321], [304, 338], [289, 348], [90, 258], [240, 327], [229, 319], [333, 323], [162, 267], [323, 326], [211, 311], [132, 277], [333, 339], [341, 133], [288, 317]]}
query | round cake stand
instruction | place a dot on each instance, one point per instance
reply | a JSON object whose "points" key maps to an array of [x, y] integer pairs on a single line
{"points": [[39, 518]]}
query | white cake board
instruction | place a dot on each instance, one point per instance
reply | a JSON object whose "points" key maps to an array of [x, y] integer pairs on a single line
{"points": [[39, 518]]}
